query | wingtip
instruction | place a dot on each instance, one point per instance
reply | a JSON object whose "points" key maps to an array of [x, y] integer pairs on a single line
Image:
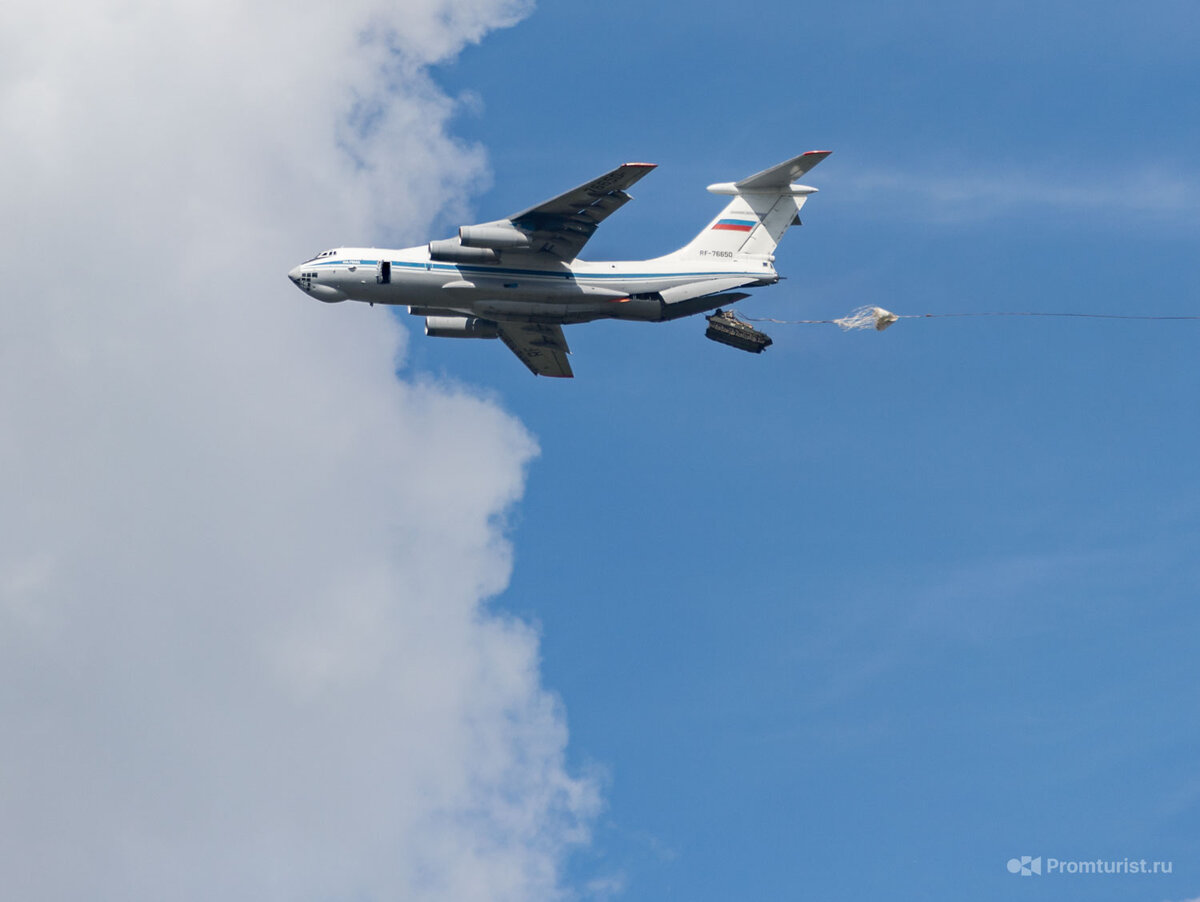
{"points": [[643, 165]]}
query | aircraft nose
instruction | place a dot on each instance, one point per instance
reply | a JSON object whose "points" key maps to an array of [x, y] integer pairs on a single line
{"points": [[294, 274]]}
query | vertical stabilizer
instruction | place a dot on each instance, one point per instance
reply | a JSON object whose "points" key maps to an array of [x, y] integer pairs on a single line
{"points": [[763, 207]]}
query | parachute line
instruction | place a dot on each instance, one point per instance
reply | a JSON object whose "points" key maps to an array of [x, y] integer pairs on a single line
{"points": [[878, 318]]}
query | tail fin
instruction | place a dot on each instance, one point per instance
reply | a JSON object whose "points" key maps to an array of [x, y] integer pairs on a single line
{"points": [[763, 207]]}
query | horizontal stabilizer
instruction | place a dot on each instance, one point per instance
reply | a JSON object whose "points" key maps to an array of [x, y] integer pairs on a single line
{"points": [[784, 174], [763, 207]]}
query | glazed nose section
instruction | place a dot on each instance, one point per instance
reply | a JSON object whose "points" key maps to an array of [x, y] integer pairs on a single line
{"points": [[309, 280]]}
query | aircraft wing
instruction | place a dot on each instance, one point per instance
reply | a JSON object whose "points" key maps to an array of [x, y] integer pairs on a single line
{"points": [[562, 225], [542, 348]]}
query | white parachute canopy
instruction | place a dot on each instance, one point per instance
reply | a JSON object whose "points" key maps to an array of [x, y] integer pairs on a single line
{"points": [[867, 318]]}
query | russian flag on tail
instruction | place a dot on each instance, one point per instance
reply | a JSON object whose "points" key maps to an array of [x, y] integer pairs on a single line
{"points": [[734, 225]]}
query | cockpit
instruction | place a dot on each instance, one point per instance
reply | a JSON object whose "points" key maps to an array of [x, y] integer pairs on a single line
{"points": [[318, 276]]}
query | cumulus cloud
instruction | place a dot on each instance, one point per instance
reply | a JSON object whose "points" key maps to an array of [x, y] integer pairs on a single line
{"points": [[245, 650]]}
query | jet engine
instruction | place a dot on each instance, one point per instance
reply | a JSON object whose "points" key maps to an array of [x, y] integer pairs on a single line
{"points": [[460, 327], [497, 235], [451, 250]]}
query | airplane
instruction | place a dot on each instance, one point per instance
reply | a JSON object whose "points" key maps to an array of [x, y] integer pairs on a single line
{"points": [[520, 280]]}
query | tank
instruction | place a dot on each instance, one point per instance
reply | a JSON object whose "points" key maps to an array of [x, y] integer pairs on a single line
{"points": [[726, 328]]}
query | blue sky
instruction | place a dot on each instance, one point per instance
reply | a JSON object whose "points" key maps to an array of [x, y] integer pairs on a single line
{"points": [[296, 603], [870, 613]]}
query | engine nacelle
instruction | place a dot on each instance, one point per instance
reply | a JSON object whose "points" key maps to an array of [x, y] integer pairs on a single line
{"points": [[497, 235], [450, 250], [460, 327]]}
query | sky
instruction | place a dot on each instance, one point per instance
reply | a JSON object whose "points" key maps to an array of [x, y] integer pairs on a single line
{"points": [[296, 603]]}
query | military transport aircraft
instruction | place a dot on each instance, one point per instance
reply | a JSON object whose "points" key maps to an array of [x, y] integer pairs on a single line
{"points": [[520, 280]]}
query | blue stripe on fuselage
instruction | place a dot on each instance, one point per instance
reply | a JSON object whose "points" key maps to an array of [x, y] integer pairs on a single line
{"points": [[543, 273]]}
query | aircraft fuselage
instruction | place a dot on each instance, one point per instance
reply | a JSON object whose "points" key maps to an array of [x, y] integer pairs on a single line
{"points": [[521, 286]]}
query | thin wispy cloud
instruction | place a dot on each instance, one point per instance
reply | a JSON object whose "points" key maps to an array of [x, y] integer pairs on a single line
{"points": [[1147, 193]]}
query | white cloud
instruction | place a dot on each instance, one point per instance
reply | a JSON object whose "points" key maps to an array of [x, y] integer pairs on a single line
{"points": [[607, 887], [958, 195], [242, 648]]}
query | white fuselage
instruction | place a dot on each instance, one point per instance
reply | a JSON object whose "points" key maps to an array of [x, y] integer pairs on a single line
{"points": [[525, 287]]}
